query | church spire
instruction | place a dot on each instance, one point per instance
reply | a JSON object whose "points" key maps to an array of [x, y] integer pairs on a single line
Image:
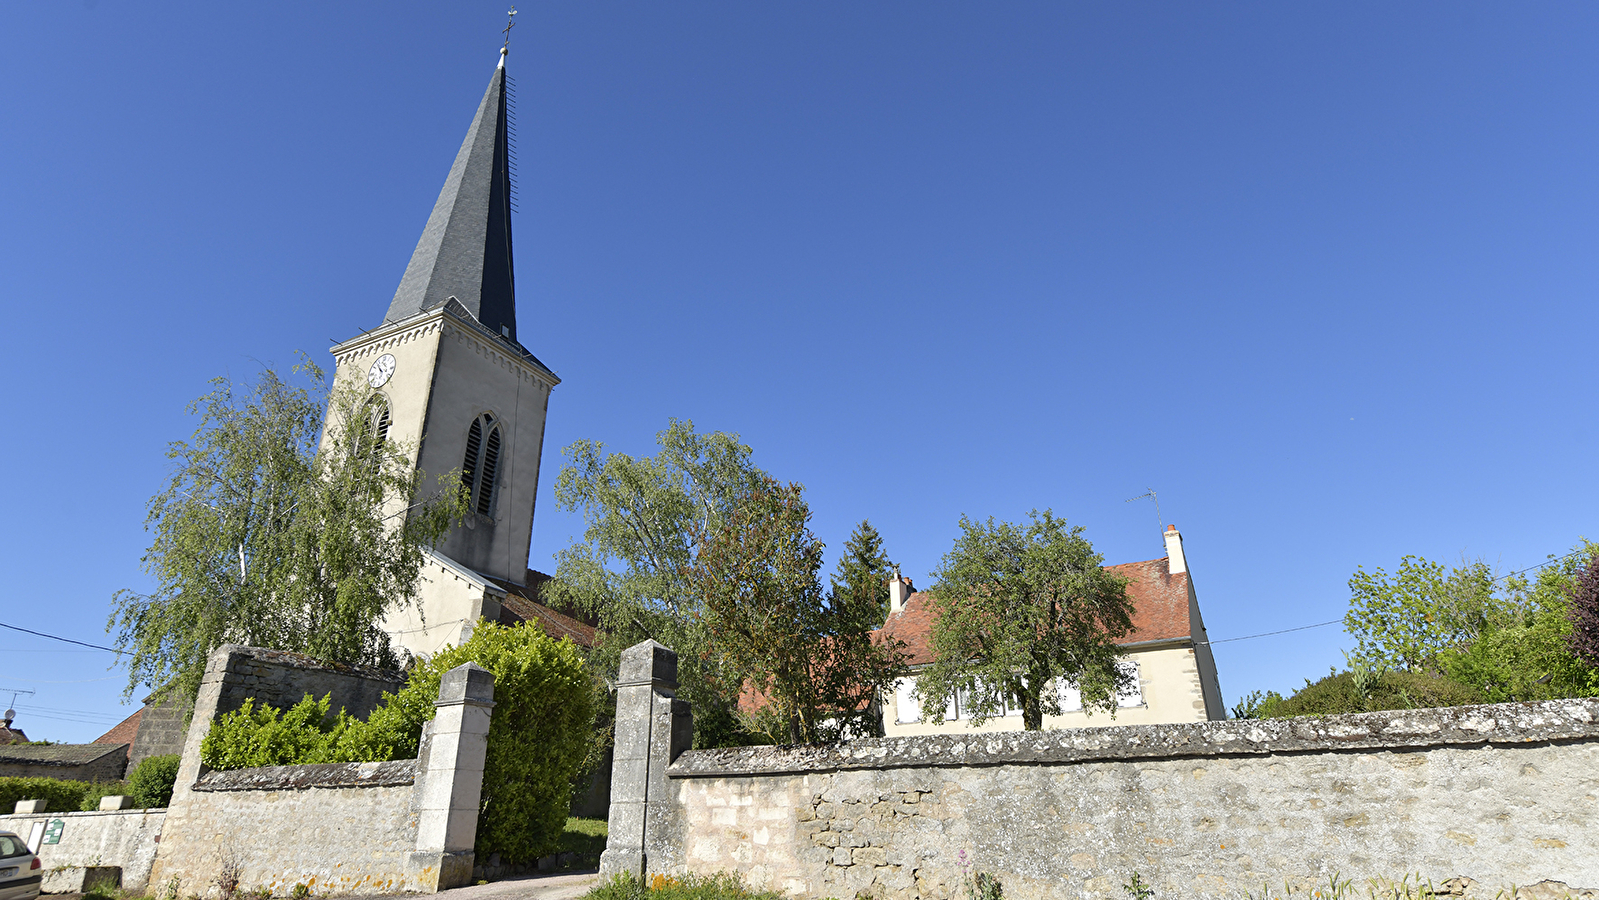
{"points": [[465, 250]]}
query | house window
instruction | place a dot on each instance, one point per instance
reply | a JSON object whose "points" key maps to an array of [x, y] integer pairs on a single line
{"points": [[908, 704], [481, 466], [908, 710], [1133, 694], [1071, 699], [1003, 707]]}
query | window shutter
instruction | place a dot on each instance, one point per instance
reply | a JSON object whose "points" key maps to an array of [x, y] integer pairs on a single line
{"points": [[474, 444], [1134, 694], [908, 709], [491, 465]]}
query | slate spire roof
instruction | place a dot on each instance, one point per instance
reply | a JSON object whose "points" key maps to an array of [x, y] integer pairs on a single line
{"points": [[465, 250]]}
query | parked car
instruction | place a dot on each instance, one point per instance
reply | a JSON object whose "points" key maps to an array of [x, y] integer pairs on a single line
{"points": [[19, 869]]}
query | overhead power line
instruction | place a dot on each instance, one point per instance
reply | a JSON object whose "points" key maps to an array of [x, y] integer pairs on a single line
{"points": [[54, 637], [1270, 633]]}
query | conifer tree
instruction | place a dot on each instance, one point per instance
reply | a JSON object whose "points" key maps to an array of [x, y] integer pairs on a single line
{"points": [[864, 569]]}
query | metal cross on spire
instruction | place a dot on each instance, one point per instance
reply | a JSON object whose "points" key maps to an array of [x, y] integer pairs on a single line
{"points": [[509, 24]]}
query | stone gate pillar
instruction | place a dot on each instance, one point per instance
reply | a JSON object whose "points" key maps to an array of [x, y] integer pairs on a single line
{"points": [[652, 728], [450, 779]]}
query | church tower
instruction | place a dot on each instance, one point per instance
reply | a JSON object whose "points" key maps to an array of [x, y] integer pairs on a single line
{"points": [[460, 388]]}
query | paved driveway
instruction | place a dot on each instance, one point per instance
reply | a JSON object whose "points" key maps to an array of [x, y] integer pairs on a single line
{"points": [[530, 887]]}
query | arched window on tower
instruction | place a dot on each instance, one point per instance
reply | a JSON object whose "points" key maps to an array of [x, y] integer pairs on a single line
{"points": [[481, 468], [375, 421]]}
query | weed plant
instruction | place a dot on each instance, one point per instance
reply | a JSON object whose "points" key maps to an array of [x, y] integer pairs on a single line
{"points": [[721, 886]]}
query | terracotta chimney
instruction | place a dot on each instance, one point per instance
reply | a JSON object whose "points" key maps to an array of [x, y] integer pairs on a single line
{"points": [[1174, 551]]}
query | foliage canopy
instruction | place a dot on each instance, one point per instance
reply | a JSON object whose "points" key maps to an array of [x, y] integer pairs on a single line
{"points": [[1509, 638], [262, 539], [634, 567], [810, 662], [1019, 606]]}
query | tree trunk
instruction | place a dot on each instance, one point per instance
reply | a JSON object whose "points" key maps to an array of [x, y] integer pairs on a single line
{"points": [[1032, 711]]}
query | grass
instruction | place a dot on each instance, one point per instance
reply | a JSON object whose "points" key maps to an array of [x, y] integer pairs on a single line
{"points": [[586, 838]]}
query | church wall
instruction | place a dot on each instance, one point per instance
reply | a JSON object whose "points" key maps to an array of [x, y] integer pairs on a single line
{"points": [[473, 376], [415, 349], [447, 606]]}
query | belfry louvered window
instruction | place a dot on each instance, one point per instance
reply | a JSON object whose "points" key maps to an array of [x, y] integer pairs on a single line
{"points": [[375, 416], [481, 468]]}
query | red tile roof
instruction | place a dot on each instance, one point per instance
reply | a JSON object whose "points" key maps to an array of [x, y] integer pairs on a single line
{"points": [[124, 732], [519, 606], [1160, 610]]}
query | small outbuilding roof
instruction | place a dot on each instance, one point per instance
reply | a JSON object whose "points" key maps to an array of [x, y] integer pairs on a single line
{"points": [[58, 754]]}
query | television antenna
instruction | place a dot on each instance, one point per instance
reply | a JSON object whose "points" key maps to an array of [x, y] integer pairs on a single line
{"points": [[15, 693], [1150, 495]]}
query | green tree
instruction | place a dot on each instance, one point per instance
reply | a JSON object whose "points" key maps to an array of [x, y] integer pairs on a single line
{"points": [[634, 567], [1019, 606], [812, 664], [1527, 652], [863, 571], [1405, 620], [539, 734], [260, 539]]}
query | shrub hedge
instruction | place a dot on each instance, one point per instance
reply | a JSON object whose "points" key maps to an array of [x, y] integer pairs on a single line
{"points": [[59, 794], [150, 782], [539, 735]]}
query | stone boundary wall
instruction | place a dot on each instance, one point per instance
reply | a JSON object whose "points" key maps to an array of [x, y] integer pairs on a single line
{"points": [[161, 730], [340, 828], [280, 678], [1503, 794], [128, 838]]}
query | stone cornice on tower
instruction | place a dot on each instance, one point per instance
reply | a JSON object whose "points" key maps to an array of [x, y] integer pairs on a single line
{"points": [[456, 323]]}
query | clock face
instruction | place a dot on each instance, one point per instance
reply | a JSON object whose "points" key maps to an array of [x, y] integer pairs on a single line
{"points": [[382, 368]]}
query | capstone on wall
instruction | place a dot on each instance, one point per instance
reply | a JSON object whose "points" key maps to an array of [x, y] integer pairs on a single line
{"points": [[1505, 794], [127, 838]]}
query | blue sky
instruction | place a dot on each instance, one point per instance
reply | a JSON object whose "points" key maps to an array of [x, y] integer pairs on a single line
{"points": [[1322, 275]]}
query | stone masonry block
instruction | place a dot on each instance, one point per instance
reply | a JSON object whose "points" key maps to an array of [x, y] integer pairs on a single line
{"points": [[30, 807], [648, 662], [468, 681]]}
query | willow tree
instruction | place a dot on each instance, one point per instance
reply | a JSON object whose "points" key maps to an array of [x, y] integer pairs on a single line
{"points": [[1018, 607], [270, 533], [633, 568]]}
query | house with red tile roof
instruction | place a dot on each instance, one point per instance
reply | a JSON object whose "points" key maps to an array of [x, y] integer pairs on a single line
{"points": [[1167, 651]]}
